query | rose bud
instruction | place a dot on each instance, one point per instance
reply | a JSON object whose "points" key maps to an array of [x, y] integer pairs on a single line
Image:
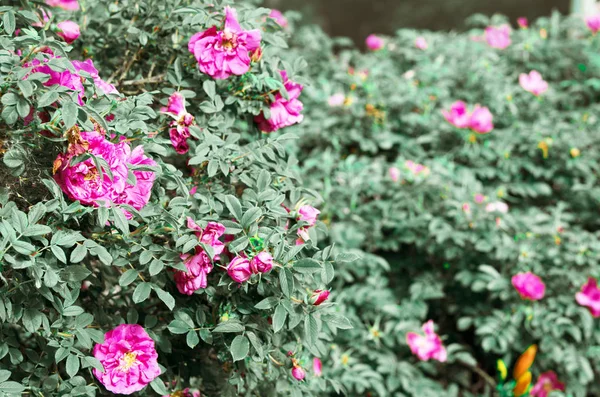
{"points": [[318, 297], [68, 30], [298, 373], [239, 269], [261, 263]]}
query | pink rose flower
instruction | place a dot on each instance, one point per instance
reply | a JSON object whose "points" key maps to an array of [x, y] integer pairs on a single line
{"points": [[222, 53], [179, 131], [416, 169], [318, 297], [179, 137], [138, 195], [284, 112], [533, 82], [198, 267], [209, 235], [590, 296], [317, 366], [69, 5], [497, 206], [308, 214], [45, 18], [68, 30], [547, 382], [336, 100], [529, 286], [480, 198], [88, 67], [239, 269], [394, 174], [593, 23], [498, 37], [458, 115], [481, 120], [129, 359], [298, 373], [428, 346], [522, 22], [261, 263], [421, 43], [374, 42], [279, 18]]}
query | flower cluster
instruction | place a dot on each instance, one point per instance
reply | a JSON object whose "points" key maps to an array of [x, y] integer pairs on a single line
{"points": [[240, 269]]}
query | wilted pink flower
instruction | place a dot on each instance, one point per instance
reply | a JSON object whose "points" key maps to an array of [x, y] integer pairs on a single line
{"points": [[284, 112], [129, 359], [317, 366], [198, 267], [426, 347], [497, 206], [498, 37], [308, 214], [336, 100], [88, 67], [138, 195], [298, 373], [70, 5], [394, 174], [179, 137], [279, 18], [179, 131], [593, 23], [547, 382], [261, 263], [590, 296], [416, 169], [421, 43], [533, 82], [481, 120], [529, 286], [479, 198], [318, 297], [523, 23], [374, 42], [239, 269], [68, 30], [222, 53], [209, 235], [458, 115]]}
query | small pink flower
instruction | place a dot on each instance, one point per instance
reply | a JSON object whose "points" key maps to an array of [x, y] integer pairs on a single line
{"points": [[466, 208], [593, 23], [129, 359], [497, 206], [421, 43], [209, 235], [479, 198], [308, 214], [394, 174], [179, 131], [590, 296], [239, 269], [68, 30], [261, 263], [374, 42], [336, 100], [284, 112], [547, 382], [529, 286], [318, 297], [426, 347], [458, 115], [222, 53], [522, 22], [175, 107], [298, 373], [481, 120], [533, 82], [416, 169], [179, 137], [279, 18], [498, 37], [45, 18], [69, 5], [198, 267], [317, 366]]}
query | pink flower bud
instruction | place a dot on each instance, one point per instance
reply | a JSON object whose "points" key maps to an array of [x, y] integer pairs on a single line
{"points": [[394, 174], [318, 297], [522, 22], [421, 43], [261, 263], [308, 214], [68, 30], [374, 42], [298, 373], [239, 269], [317, 366]]}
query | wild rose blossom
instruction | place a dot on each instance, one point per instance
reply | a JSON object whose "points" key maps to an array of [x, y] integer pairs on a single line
{"points": [[529, 286], [239, 269], [497, 206], [261, 263], [284, 112], [593, 23], [498, 37], [69, 5], [298, 373], [317, 366], [421, 43], [533, 82], [481, 120], [374, 42], [179, 131], [68, 30], [308, 214], [458, 115], [209, 235], [318, 297], [546, 383], [198, 267], [279, 18], [590, 296], [129, 359], [394, 174], [336, 100], [416, 169], [222, 53], [523, 23], [479, 198], [428, 346]]}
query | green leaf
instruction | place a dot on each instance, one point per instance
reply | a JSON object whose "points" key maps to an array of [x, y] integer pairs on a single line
{"points": [[78, 253], [9, 22], [337, 321], [307, 265], [239, 348], [178, 327], [251, 216], [192, 339], [37, 230], [279, 318], [72, 366], [120, 220], [346, 257], [92, 362], [59, 253], [47, 99], [128, 277], [72, 311], [11, 387], [4, 375], [286, 281], [255, 342], [141, 292], [311, 330], [209, 87], [234, 206], [166, 297], [267, 303], [229, 326], [69, 114], [159, 387]]}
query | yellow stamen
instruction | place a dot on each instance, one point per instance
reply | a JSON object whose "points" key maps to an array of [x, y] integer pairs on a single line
{"points": [[127, 361]]}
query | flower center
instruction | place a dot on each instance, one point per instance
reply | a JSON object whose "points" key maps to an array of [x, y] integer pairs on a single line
{"points": [[548, 386], [127, 361], [91, 175], [228, 40]]}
